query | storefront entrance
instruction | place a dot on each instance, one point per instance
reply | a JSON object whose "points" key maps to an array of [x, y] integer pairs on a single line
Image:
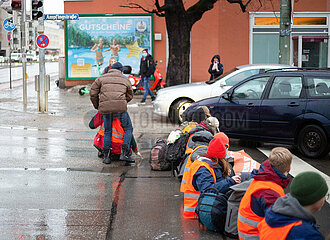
{"points": [[310, 51]]}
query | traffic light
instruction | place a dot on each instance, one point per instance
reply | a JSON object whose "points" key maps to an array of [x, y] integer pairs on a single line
{"points": [[16, 5], [35, 11]]}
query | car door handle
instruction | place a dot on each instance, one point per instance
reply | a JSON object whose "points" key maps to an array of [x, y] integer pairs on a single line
{"points": [[250, 105], [293, 104]]}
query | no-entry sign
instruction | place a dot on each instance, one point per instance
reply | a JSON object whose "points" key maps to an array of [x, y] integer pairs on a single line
{"points": [[9, 36], [42, 41]]}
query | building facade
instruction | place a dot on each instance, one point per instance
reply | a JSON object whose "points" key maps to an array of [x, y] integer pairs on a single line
{"points": [[240, 38]]}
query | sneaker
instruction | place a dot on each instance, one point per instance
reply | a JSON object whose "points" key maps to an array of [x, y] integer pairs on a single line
{"points": [[143, 101], [153, 98]]}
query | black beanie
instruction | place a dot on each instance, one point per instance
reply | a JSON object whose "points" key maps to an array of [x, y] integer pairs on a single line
{"points": [[118, 66]]}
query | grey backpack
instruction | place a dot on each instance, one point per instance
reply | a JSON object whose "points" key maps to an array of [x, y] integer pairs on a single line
{"points": [[235, 197]]}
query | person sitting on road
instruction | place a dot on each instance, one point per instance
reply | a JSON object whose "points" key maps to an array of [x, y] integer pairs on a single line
{"points": [[267, 185], [200, 114], [202, 133], [291, 216], [209, 170], [117, 137], [112, 60]]}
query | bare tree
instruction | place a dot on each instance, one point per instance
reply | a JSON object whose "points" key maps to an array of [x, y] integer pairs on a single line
{"points": [[179, 22]]}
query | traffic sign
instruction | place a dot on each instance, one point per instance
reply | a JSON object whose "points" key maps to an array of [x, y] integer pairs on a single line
{"points": [[8, 25], [42, 41], [9, 36], [62, 16]]}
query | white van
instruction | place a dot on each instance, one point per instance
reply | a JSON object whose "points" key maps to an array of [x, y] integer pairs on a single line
{"points": [[15, 57]]}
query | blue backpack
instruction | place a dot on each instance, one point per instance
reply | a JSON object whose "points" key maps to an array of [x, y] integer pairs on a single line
{"points": [[212, 209]]}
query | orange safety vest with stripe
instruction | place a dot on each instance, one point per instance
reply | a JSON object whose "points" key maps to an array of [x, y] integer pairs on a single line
{"points": [[117, 135], [279, 233], [191, 195], [186, 169], [248, 221]]}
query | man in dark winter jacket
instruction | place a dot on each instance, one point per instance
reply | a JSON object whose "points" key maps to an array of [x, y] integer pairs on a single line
{"points": [[216, 68], [291, 216], [147, 68], [110, 94]]}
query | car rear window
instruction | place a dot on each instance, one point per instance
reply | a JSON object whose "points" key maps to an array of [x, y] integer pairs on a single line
{"points": [[286, 88], [318, 87]]}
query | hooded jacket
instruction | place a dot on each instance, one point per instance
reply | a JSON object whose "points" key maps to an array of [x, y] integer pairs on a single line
{"points": [[215, 73], [147, 66], [287, 210], [261, 200], [111, 92]]}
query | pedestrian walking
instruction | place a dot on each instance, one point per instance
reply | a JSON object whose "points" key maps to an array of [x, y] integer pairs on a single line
{"points": [[209, 170], [147, 68], [110, 94], [216, 68], [291, 217], [267, 185]]}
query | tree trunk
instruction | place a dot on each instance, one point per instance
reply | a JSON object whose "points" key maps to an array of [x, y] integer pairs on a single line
{"points": [[178, 30]]}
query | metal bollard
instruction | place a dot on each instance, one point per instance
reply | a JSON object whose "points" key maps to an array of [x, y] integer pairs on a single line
{"points": [[47, 83], [36, 82]]}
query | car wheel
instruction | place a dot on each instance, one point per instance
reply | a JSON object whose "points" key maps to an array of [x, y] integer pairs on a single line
{"points": [[178, 108], [313, 142]]}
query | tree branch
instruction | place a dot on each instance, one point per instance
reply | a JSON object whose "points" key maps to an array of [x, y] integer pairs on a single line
{"points": [[241, 4], [196, 11], [158, 12]]}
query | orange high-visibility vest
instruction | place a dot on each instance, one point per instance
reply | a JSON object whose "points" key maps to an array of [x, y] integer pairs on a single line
{"points": [[118, 132], [248, 221], [279, 233], [186, 169], [191, 195]]}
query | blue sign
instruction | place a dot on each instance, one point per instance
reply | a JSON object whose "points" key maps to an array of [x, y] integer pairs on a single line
{"points": [[61, 16], [42, 41], [8, 25]]}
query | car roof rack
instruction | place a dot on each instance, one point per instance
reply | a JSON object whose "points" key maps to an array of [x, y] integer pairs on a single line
{"points": [[298, 69]]}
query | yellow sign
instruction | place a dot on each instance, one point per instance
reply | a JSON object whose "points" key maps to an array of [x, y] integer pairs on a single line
{"points": [[81, 71], [134, 50]]}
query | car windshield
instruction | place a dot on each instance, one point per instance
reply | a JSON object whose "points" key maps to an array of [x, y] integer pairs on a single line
{"points": [[222, 76]]}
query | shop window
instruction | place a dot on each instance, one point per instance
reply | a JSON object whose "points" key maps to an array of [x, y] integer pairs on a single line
{"points": [[296, 21]]}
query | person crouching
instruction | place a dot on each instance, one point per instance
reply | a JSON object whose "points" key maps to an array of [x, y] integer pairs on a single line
{"points": [[209, 170]]}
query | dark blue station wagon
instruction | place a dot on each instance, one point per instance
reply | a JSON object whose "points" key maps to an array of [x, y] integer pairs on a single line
{"points": [[290, 107]]}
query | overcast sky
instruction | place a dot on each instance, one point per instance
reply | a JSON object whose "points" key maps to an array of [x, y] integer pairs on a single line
{"points": [[53, 6]]}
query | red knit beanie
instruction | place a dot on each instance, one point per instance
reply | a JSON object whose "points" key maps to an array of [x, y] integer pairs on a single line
{"points": [[216, 149], [223, 137]]}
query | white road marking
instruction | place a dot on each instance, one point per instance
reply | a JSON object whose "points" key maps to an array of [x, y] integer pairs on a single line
{"points": [[298, 166]]}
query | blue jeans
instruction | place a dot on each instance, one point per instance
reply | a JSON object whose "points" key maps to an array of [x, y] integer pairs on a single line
{"points": [[145, 82], [125, 123]]}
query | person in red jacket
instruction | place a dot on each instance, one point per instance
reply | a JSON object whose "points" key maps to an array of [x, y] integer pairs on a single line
{"points": [[267, 186], [116, 138]]}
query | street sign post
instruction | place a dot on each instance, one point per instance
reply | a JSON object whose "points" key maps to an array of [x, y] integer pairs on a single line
{"points": [[8, 25], [42, 41], [9, 36], [61, 16]]}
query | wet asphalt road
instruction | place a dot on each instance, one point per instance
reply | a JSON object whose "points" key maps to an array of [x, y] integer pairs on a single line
{"points": [[53, 185]]}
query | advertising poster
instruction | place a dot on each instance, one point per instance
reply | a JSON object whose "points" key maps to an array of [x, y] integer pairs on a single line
{"points": [[93, 39]]}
